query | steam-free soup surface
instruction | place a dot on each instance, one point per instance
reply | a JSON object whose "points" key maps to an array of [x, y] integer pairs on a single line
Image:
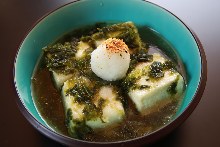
{"points": [[50, 106]]}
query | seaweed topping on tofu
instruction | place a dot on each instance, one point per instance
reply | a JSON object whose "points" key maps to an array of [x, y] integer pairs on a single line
{"points": [[76, 128], [125, 31], [91, 106], [140, 56], [59, 57], [172, 88], [130, 82], [68, 59], [157, 69], [65, 58], [153, 69], [81, 92]]}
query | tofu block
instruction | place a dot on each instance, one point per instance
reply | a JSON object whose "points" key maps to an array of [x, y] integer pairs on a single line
{"points": [[112, 111], [60, 78], [103, 109], [149, 93]]}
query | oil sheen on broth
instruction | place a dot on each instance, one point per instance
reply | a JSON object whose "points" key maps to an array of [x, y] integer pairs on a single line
{"points": [[48, 100]]}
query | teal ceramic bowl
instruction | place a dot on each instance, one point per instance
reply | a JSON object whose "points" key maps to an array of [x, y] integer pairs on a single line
{"points": [[86, 12]]}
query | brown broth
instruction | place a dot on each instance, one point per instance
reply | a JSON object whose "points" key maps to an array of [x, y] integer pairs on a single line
{"points": [[48, 99], [49, 103]]}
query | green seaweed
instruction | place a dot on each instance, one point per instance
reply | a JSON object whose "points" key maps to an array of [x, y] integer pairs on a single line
{"points": [[81, 129], [172, 88], [156, 70], [59, 57], [69, 114], [81, 93]]}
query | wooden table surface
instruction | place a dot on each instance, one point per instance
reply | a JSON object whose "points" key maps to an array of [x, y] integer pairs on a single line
{"points": [[200, 129]]}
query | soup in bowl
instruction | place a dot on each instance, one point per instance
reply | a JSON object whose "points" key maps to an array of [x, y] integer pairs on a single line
{"points": [[101, 72]]}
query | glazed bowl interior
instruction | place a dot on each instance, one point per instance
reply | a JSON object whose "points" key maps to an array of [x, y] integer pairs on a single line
{"points": [[87, 12]]}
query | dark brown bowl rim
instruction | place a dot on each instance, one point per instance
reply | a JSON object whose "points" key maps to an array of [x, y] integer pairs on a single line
{"points": [[136, 141]]}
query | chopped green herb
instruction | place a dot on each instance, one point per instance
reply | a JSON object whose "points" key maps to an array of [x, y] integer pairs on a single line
{"points": [[169, 65], [59, 57], [89, 40], [81, 93], [144, 87], [101, 103], [92, 112], [127, 83], [140, 87], [99, 35], [125, 31], [69, 114], [156, 70], [172, 88], [82, 129]]}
